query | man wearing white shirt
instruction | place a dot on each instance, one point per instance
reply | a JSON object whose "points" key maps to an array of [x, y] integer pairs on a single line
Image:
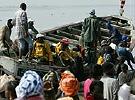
{"points": [[22, 30], [124, 92]]}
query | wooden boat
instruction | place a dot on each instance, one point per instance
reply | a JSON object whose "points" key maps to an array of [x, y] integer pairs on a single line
{"points": [[71, 31]]}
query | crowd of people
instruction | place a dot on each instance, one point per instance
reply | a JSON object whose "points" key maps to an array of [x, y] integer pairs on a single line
{"points": [[101, 84], [97, 64]]}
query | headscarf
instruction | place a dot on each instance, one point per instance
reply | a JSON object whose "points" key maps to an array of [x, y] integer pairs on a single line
{"points": [[69, 85], [30, 85]]}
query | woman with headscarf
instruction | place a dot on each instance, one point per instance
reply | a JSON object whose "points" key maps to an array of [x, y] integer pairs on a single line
{"points": [[68, 85], [30, 87]]}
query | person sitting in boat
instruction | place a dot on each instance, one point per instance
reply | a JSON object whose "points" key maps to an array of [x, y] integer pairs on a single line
{"points": [[31, 29], [123, 51], [114, 32], [41, 50], [5, 33], [63, 52]]}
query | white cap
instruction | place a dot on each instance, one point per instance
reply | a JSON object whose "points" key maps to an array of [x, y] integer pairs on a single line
{"points": [[39, 35]]}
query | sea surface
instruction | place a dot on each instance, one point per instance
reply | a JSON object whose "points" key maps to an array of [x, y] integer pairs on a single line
{"points": [[55, 14]]}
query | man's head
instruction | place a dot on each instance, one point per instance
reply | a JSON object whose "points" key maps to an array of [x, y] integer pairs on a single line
{"points": [[96, 72], [121, 59], [40, 37], [9, 23], [64, 43], [92, 12], [108, 69], [30, 23], [124, 67], [23, 6]]}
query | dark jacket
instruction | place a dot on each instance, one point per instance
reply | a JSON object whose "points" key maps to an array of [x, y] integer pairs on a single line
{"points": [[91, 29]]}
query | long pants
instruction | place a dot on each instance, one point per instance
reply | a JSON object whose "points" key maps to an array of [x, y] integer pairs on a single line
{"points": [[90, 53]]}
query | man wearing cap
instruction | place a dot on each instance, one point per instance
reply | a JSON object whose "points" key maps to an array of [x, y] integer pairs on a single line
{"points": [[21, 24], [41, 50], [63, 51], [5, 34], [90, 35]]}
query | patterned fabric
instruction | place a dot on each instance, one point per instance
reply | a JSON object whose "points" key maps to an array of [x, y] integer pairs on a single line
{"points": [[30, 85], [69, 85]]}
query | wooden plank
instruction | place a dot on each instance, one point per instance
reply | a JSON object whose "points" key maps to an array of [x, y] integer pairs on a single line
{"points": [[68, 35], [75, 31]]}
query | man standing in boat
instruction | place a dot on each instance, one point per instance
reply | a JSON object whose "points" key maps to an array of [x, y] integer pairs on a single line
{"points": [[90, 35], [22, 30], [5, 34]]}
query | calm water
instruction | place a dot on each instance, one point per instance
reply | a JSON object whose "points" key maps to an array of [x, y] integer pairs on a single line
{"points": [[49, 16]]}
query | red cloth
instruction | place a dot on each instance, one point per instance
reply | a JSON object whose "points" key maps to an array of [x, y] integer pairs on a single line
{"points": [[65, 41], [89, 98]]}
